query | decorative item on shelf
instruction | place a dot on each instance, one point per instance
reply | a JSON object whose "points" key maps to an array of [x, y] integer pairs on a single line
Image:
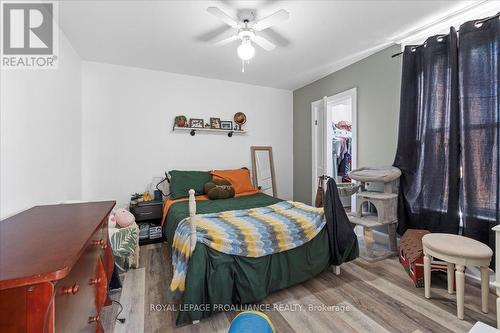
{"points": [[239, 118], [140, 197], [146, 196], [158, 195], [136, 198], [181, 121], [226, 124], [215, 123], [154, 190], [196, 123]]}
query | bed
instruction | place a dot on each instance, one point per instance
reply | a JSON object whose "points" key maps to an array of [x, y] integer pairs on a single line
{"points": [[216, 278]]}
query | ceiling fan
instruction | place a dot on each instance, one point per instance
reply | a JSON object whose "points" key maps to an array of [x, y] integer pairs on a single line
{"points": [[247, 29]]}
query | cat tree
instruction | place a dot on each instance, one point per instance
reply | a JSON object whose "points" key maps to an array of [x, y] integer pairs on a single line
{"points": [[376, 209]]}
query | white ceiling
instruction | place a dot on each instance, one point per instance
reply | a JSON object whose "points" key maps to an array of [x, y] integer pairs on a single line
{"points": [[319, 38]]}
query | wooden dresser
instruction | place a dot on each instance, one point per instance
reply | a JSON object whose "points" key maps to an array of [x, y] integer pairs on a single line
{"points": [[55, 266]]}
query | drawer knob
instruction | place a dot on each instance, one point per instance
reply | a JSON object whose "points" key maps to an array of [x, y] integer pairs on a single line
{"points": [[71, 290], [98, 242], [93, 319], [96, 280]]}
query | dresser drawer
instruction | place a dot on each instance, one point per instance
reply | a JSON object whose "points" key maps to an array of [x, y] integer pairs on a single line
{"points": [[147, 212], [75, 306]]}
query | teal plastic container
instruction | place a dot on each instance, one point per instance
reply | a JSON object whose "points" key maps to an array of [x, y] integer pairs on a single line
{"points": [[251, 322]]}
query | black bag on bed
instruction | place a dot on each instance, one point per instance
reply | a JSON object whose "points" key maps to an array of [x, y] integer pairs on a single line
{"points": [[343, 241]]}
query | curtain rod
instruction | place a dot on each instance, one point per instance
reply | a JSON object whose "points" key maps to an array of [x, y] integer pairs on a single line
{"points": [[440, 36]]}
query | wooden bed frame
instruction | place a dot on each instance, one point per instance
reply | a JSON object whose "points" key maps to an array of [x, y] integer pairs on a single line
{"points": [[192, 226]]}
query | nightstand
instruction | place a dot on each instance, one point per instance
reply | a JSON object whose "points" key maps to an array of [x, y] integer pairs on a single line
{"points": [[148, 216]]}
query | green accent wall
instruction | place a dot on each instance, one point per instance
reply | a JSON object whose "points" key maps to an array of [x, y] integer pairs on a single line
{"points": [[378, 82]]}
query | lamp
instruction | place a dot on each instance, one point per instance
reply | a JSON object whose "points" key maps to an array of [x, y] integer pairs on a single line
{"points": [[246, 51]]}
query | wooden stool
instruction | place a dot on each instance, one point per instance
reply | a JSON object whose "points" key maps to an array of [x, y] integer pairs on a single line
{"points": [[458, 252]]}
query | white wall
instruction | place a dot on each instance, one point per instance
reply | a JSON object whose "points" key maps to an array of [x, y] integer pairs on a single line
{"points": [[40, 134], [128, 115]]}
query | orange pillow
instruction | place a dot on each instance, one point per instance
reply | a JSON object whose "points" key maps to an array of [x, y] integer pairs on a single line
{"points": [[239, 179]]}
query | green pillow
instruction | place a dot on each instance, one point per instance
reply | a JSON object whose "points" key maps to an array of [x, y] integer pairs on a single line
{"points": [[182, 181], [219, 189]]}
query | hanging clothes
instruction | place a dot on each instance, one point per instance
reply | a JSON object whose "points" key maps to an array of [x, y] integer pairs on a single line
{"points": [[341, 145], [343, 242]]}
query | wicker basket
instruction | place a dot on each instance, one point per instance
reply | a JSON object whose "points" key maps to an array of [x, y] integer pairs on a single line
{"points": [[347, 189]]}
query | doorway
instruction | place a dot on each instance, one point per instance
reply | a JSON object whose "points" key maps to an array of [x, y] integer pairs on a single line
{"points": [[334, 139]]}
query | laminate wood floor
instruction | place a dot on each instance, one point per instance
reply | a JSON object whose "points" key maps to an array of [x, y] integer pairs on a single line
{"points": [[376, 297]]}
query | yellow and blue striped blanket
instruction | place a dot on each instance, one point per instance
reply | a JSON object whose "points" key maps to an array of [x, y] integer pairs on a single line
{"points": [[254, 232]]}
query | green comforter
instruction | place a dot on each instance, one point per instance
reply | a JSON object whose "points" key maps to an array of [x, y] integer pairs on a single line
{"points": [[216, 279]]}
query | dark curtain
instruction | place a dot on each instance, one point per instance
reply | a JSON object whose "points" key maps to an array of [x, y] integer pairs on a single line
{"points": [[428, 141], [480, 128]]}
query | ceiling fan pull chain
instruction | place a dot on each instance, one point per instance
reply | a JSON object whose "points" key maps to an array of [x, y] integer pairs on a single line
{"points": [[243, 66]]}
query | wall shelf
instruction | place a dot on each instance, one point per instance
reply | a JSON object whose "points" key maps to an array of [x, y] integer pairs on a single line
{"points": [[192, 130]]}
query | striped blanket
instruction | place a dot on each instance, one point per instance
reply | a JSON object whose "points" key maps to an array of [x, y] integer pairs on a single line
{"points": [[252, 232]]}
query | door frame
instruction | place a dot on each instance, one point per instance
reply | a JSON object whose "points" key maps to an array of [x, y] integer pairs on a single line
{"points": [[314, 144], [353, 94]]}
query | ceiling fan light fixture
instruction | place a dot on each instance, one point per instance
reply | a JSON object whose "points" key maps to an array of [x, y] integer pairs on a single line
{"points": [[246, 26], [246, 51]]}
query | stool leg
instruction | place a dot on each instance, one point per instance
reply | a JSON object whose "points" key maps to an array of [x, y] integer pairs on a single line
{"points": [[451, 277], [498, 308], [427, 275], [460, 279], [485, 286]]}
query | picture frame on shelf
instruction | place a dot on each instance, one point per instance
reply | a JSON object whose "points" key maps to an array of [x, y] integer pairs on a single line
{"points": [[215, 123], [181, 121], [196, 123], [226, 125]]}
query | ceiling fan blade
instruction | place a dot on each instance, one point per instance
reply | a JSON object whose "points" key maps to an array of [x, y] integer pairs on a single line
{"points": [[264, 43], [266, 22], [274, 37], [226, 40], [221, 32], [223, 16]]}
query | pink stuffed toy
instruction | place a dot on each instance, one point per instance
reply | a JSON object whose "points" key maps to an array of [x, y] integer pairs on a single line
{"points": [[123, 217]]}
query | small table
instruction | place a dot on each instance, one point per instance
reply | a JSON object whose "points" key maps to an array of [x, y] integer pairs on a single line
{"points": [[149, 214], [458, 252]]}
